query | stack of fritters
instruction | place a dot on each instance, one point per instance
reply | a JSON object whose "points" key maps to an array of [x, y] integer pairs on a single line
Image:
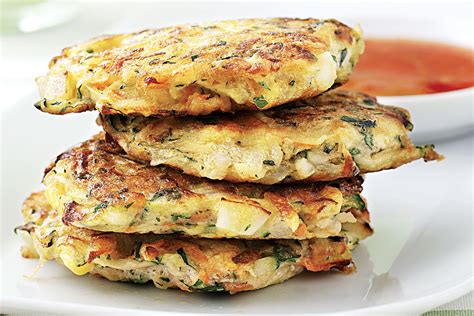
{"points": [[220, 169]]}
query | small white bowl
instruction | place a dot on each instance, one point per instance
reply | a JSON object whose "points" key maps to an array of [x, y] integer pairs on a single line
{"points": [[437, 116]]}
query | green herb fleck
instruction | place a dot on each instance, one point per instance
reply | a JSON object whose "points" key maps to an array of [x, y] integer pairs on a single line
{"points": [[179, 85], [79, 93], [248, 226], [399, 139], [297, 202], [334, 58], [89, 50], [165, 279], [169, 62], [363, 125], [358, 201], [260, 101], [269, 162], [358, 122], [193, 57], [408, 125], [368, 138], [175, 217], [221, 43], [181, 252], [170, 194], [229, 57], [354, 151], [343, 56], [328, 148], [138, 246], [128, 205], [143, 214], [292, 83], [201, 286], [283, 253], [100, 206], [122, 86], [265, 234], [264, 85], [157, 260], [198, 283], [368, 101]]}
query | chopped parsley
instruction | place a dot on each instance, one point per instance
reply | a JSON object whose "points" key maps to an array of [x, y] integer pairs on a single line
{"points": [[157, 260], [343, 56], [358, 122], [264, 85], [260, 101], [298, 202], [368, 101], [363, 125], [399, 139], [175, 217], [138, 246], [358, 201], [101, 206], [269, 162], [328, 148], [194, 57], [201, 286], [354, 151], [183, 255], [170, 194], [79, 93], [284, 253]]}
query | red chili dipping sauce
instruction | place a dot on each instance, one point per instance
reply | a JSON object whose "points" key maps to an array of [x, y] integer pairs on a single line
{"points": [[408, 67]]}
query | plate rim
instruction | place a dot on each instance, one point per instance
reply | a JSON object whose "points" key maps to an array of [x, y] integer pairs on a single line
{"points": [[420, 304]]}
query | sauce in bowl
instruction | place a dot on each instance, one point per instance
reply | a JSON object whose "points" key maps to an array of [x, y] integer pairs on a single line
{"points": [[395, 67]]}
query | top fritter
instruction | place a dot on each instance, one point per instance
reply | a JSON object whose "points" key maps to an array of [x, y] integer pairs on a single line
{"points": [[195, 69]]}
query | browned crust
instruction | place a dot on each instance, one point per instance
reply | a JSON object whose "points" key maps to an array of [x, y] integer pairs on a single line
{"points": [[113, 183], [299, 123], [213, 260], [207, 59]]}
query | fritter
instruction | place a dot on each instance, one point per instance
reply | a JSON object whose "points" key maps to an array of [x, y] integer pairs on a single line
{"points": [[194, 265], [336, 135], [195, 69], [96, 189]]}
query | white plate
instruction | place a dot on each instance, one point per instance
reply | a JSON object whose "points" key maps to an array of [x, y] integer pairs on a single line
{"points": [[420, 256], [417, 259]]}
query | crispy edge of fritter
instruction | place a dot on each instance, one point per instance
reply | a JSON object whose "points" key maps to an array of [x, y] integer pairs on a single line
{"points": [[367, 135], [207, 264], [293, 52], [114, 186]]}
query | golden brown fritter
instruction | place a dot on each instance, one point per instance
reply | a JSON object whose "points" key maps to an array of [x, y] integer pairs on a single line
{"points": [[338, 134], [104, 191], [195, 265], [195, 69]]}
